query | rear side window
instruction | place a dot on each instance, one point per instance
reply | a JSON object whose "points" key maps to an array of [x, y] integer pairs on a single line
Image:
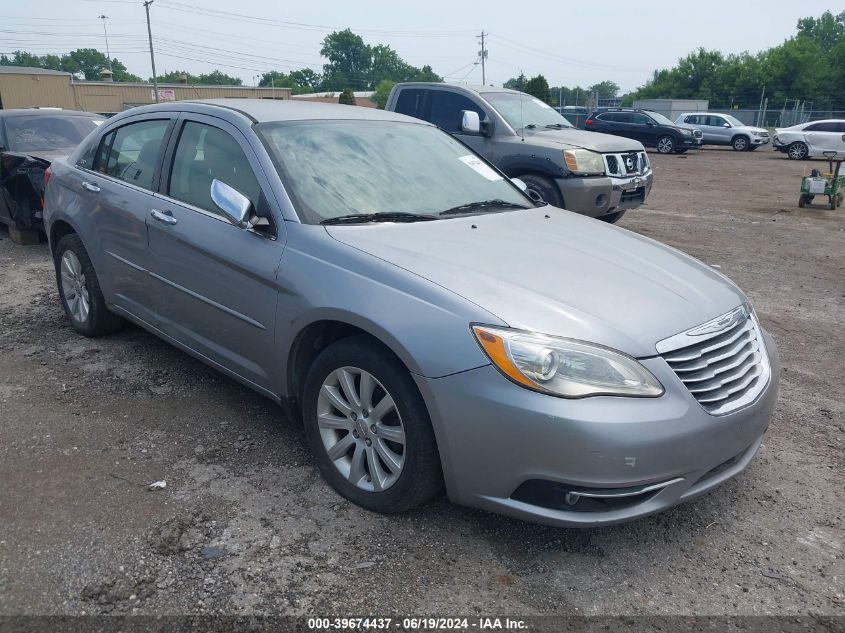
{"points": [[131, 153], [611, 117], [205, 153], [447, 110], [411, 102]]}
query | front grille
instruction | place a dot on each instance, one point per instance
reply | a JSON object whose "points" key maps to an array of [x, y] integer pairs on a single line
{"points": [[723, 370], [697, 133], [626, 164]]}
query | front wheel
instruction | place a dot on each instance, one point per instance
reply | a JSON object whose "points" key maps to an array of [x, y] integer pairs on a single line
{"points": [[665, 145], [797, 151], [740, 143], [542, 189], [369, 429], [79, 290], [612, 218]]}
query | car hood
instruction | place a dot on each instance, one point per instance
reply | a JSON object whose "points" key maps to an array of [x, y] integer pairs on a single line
{"points": [[572, 138], [48, 156], [556, 272]]}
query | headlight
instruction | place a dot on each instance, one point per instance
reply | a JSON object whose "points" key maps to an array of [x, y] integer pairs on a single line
{"points": [[584, 162], [686, 132], [564, 367]]}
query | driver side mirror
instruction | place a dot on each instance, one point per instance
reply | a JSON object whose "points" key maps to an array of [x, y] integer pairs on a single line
{"points": [[520, 184], [470, 122], [236, 207], [726, 124]]}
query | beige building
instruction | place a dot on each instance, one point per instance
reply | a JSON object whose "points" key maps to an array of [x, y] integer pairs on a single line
{"points": [[22, 87], [364, 99]]}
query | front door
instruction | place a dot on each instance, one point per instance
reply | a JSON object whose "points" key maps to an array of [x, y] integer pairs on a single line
{"points": [[216, 282], [446, 111]]}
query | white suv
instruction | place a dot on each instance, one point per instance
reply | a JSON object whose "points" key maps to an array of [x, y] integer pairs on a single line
{"points": [[811, 140], [724, 129]]}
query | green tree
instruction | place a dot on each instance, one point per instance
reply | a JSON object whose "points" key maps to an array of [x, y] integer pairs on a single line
{"points": [[383, 92], [349, 61], [346, 97], [827, 30], [516, 83], [86, 62], [538, 87], [425, 74], [604, 89], [218, 78]]}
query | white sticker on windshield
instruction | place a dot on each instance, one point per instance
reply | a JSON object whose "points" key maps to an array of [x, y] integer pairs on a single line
{"points": [[480, 167], [542, 104]]}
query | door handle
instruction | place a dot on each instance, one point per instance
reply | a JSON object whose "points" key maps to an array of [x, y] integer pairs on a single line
{"points": [[165, 217], [90, 186]]}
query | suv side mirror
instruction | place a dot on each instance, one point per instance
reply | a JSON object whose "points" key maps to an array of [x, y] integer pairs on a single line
{"points": [[520, 184], [470, 122], [236, 207], [726, 124]]}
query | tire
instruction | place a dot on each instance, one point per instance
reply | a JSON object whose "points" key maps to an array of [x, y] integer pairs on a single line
{"points": [[542, 189], [329, 420], [832, 203], [803, 201], [612, 218], [79, 290], [665, 145], [681, 150], [753, 148], [741, 143], [797, 151]]}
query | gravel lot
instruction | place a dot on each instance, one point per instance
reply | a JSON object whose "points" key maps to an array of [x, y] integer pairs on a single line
{"points": [[246, 525]]}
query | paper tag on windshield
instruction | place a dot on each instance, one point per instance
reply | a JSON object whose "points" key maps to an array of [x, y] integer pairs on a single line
{"points": [[479, 166]]}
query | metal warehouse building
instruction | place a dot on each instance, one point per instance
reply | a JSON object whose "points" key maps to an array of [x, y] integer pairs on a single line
{"points": [[24, 87]]}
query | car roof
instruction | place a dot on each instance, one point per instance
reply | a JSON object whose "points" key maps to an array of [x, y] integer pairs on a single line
{"points": [[479, 88], [46, 112], [267, 110]]}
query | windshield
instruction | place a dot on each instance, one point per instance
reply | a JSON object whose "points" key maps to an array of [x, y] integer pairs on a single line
{"points": [[338, 168], [522, 110], [662, 120], [733, 120], [47, 132]]}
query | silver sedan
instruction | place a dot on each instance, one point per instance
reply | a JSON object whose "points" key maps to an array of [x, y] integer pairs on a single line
{"points": [[429, 323]]}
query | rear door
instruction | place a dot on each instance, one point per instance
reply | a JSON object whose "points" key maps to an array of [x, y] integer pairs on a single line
{"points": [[115, 185], [215, 283], [639, 128]]}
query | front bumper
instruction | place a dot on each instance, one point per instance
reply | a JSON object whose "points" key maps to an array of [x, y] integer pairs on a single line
{"points": [[760, 140], [498, 440], [598, 196]]}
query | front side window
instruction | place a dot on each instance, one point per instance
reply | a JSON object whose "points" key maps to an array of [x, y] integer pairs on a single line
{"points": [[522, 110], [338, 168], [660, 119], [640, 119], [447, 110], [715, 121], [203, 154], [131, 153], [823, 127], [46, 132]]}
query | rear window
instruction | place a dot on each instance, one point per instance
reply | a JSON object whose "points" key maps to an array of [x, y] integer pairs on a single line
{"points": [[47, 132]]}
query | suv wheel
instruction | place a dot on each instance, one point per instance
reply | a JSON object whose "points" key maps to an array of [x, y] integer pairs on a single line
{"points": [[369, 429], [542, 189], [80, 292], [797, 151], [665, 145], [740, 143]]}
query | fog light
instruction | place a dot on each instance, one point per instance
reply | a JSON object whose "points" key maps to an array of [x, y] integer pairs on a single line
{"points": [[601, 200]]}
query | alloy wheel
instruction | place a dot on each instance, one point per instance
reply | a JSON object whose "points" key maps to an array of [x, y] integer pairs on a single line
{"points": [[74, 290], [740, 144], [665, 145], [797, 151], [361, 429]]}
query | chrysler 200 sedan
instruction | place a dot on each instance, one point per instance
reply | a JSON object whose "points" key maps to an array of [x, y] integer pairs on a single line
{"points": [[429, 323]]}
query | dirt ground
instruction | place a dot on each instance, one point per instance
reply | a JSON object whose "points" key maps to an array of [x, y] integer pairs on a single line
{"points": [[246, 524]]}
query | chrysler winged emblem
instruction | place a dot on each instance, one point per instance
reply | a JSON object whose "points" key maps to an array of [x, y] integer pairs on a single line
{"points": [[720, 323]]}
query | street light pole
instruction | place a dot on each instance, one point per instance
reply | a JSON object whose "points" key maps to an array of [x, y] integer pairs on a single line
{"points": [[106, 33], [152, 55]]}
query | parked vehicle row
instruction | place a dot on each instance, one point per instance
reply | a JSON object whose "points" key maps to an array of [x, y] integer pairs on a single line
{"points": [[429, 322], [812, 139], [594, 174], [649, 128], [29, 141]]}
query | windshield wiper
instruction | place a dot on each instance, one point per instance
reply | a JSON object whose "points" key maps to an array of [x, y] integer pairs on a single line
{"points": [[482, 204], [363, 218], [558, 126]]}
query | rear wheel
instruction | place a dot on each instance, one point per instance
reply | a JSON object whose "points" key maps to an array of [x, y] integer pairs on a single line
{"points": [[542, 189], [79, 290], [369, 429], [797, 151], [665, 145], [740, 143]]}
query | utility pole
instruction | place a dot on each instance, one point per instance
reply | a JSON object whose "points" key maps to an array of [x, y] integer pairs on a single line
{"points": [[106, 33], [483, 54], [152, 55]]}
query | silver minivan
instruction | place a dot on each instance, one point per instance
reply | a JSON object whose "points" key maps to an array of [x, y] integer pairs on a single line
{"points": [[725, 129], [429, 323]]}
